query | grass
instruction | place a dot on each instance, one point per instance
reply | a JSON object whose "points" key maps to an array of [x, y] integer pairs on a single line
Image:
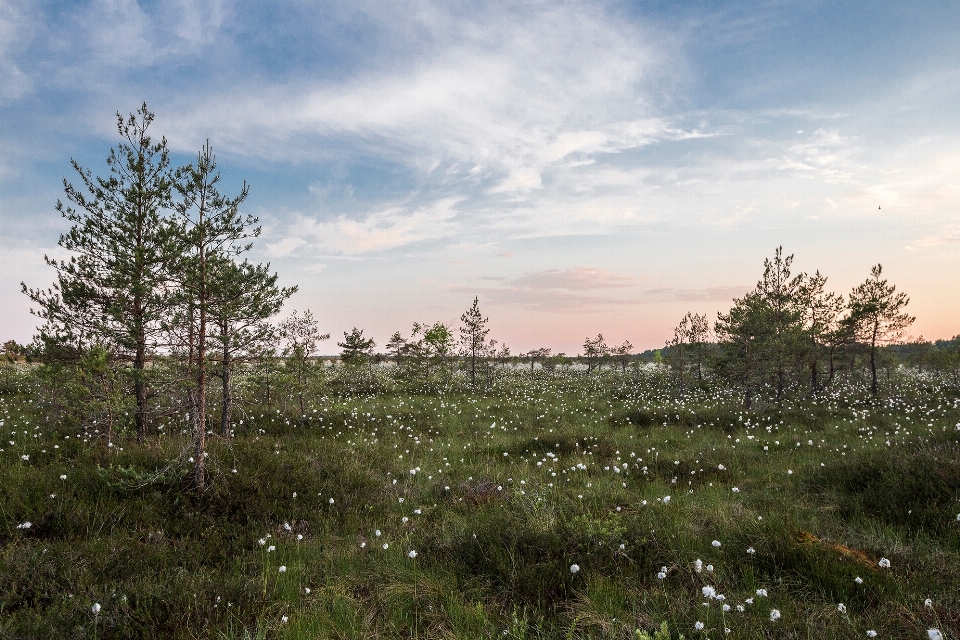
{"points": [[499, 493]]}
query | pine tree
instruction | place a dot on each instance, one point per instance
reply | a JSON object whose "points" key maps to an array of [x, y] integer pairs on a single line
{"points": [[397, 345], [877, 316], [356, 348], [595, 351], [821, 311], [780, 295], [473, 337], [763, 334], [209, 228], [245, 297], [742, 333], [112, 292], [300, 333]]}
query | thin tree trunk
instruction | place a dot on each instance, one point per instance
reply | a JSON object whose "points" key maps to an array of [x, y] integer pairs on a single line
{"points": [[140, 391], [830, 377], [199, 468], [227, 403]]}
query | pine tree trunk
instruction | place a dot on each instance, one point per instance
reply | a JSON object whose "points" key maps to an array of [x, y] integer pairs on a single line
{"points": [[227, 405], [199, 469], [140, 391], [830, 376]]}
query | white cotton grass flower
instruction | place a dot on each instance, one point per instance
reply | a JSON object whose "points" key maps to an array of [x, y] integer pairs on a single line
{"points": [[574, 569], [283, 568], [25, 525], [411, 554], [283, 619], [662, 574], [774, 615], [842, 608], [95, 608], [858, 580], [708, 592], [884, 563], [271, 549], [385, 546], [871, 633], [716, 544], [928, 603], [698, 565], [762, 593], [934, 634], [698, 626], [63, 476], [751, 550]]}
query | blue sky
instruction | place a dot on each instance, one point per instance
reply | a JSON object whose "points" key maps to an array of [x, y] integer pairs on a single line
{"points": [[581, 167]]}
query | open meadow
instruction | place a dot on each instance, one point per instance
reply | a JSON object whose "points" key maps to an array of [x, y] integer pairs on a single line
{"points": [[549, 504]]}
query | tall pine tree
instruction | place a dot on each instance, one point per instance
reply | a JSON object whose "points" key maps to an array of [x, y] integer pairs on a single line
{"points": [[111, 292], [210, 228]]}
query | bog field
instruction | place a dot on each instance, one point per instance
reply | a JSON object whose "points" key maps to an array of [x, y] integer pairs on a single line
{"points": [[548, 504]]}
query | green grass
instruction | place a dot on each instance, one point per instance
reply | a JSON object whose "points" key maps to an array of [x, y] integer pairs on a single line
{"points": [[511, 487]]}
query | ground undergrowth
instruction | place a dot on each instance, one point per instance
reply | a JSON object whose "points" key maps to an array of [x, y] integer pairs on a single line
{"points": [[548, 506]]}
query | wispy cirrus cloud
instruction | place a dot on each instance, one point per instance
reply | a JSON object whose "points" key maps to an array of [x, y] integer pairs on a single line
{"points": [[576, 279], [486, 103], [382, 230], [947, 234]]}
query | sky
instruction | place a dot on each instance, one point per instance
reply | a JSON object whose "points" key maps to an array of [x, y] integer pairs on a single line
{"points": [[580, 167]]}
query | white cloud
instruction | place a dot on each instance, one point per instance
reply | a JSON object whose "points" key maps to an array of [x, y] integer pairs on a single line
{"points": [[516, 93], [379, 231], [285, 246], [576, 279]]}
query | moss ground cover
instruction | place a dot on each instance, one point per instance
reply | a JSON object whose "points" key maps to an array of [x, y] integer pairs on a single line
{"points": [[551, 505]]}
